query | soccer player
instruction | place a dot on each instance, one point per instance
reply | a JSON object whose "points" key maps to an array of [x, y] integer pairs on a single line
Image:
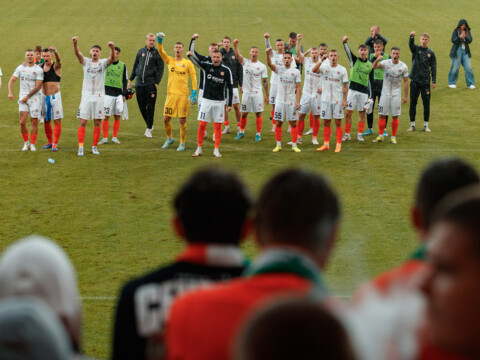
{"points": [[295, 50], [93, 92], [334, 98], [287, 100], [177, 102], [230, 60], [116, 83], [218, 82], [374, 36], [424, 65], [30, 99], [359, 90], [148, 72], [391, 102], [323, 55], [376, 83], [211, 254], [311, 96], [252, 98], [52, 108], [277, 59]]}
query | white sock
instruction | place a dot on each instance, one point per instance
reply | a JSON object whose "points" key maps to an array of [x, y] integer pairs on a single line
{"points": [[279, 143], [412, 123], [425, 123], [258, 134]]}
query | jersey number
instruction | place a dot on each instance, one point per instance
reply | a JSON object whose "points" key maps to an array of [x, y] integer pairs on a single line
{"points": [[244, 107], [168, 111], [202, 115]]}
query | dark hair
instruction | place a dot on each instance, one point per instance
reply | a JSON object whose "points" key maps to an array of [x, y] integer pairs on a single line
{"points": [[362, 46], [292, 35], [286, 52], [226, 37], [438, 180], [46, 50], [117, 49], [296, 207], [213, 44], [293, 329], [395, 48], [280, 40], [38, 48], [333, 50], [213, 206], [179, 43], [323, 44], [378, 42], [462, 207], [96, 46], [216, 51]]}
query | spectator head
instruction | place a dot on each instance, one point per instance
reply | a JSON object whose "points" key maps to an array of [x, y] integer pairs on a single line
{"points": [[374, 31], [212, 207], [452, 285], [37, 267], [439, 179], [293, 329], [298, 208], [150, 40], [29, 330], [292, 39]]}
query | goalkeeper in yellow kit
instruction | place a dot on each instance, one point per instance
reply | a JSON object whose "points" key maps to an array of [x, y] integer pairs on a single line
{"points": [[177, 102]]}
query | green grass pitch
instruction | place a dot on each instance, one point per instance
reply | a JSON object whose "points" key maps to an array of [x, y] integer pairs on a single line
{"points": [[112, 213]]}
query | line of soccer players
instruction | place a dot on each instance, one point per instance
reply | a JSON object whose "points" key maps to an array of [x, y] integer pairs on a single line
{"points": [[224, 74]]}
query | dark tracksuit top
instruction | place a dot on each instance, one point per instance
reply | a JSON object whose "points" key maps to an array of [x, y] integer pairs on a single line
{"points": [[229, 59]]}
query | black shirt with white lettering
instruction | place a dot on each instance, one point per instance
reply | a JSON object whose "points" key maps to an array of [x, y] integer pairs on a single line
{"points": [[217, 80]]}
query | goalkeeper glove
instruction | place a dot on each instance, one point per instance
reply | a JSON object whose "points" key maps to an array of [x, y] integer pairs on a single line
{"points": [[193, 98], [160, 36]]}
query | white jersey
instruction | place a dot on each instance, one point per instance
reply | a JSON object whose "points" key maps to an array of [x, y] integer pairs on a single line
{"points": [[392, 77], [277, 60], [1, 72], [312, 80], [94, 77], [28, 75], [287, 84], [333, 79], [252, 73]]}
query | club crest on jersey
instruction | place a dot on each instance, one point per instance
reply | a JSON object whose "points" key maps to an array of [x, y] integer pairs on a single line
{"points": [[143, 54], [428, 55], [222, 73], [233, 57]]}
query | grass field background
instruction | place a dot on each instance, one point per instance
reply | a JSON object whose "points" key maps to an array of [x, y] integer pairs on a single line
{"points": [[112, 213]]}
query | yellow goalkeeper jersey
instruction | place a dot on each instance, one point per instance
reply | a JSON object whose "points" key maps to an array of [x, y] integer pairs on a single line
{"points": [[178, 72]]}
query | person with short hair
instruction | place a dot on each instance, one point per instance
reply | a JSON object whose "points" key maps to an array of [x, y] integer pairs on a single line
{"points": [[38, 56], [295, 49], [287, 99], [391, 101], [252, 97], [92, 105], [277, 59], [295, 242], [359, 88], [439, 179], [334, 98], [423, 71], [460, 55], [52, 108], [311, 96], [376, 84], [147, 71], [177, 101], [218, 82], [230, 60], [212, 216], [30, 98], [116, 84], [293, 329], [374, 36], [450, 282], [323, 55]]}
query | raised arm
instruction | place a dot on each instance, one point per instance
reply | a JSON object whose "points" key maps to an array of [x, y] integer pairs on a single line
{"points": [[161, 50], [78, 54], [58, 60], [267, 41], [352, 58], [300, 55], [111, 45], [316, 67], [237, 53], [377, 64], [411, 42], [269, 59]]}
